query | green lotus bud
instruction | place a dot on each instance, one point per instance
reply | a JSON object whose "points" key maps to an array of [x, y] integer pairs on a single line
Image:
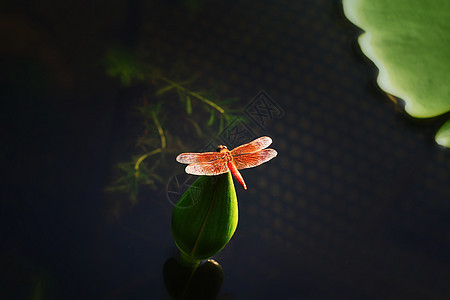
{"points": [[205, 218]]}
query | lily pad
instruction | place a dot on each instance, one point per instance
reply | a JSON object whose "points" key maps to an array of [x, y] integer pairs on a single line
{"points": [[443, 135], [409, 42]]}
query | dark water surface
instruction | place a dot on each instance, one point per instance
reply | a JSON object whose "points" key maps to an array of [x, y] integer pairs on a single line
{"points": [[355, 206]]}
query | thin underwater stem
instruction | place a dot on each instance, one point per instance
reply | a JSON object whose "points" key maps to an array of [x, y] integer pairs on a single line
{"points": [[160, 130], [142, 157], [194, 94]]}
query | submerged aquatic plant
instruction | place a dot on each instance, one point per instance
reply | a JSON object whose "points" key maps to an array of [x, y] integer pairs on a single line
{"points": [[202, 113]]}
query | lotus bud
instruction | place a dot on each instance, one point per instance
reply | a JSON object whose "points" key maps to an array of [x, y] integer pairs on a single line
{"points": [[205, 218]]}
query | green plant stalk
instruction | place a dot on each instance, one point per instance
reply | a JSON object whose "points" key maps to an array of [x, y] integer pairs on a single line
{"points": [[205, 218], [142, 157], [188, 105], [163, 143], [160, 130], [193, 94]]}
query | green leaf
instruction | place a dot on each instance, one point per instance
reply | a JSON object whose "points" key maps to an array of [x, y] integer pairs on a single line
{"points": [[408, 40], [443, 135], [205, 218]]}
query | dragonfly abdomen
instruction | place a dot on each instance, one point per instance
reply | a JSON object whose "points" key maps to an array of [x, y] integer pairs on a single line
{"points": [[236, 174]]}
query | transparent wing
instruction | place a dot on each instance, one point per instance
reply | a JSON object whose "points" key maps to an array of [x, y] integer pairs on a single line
{"points": [[254, 159], [189, 158], [207, 168], [258, 144]]}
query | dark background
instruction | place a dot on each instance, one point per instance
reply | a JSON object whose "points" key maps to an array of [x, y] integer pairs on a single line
{"points": [[356, 205]]}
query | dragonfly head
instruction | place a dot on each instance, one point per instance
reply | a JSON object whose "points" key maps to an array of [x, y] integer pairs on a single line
{"points": [[221, 148]]}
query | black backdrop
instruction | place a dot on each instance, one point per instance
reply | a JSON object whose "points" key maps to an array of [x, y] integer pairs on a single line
{"points": [[356, 205]]}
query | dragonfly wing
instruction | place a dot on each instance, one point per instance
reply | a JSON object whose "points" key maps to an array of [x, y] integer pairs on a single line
{"points": [[207, 168], [189, 158], [254, 159], [258, 144]]}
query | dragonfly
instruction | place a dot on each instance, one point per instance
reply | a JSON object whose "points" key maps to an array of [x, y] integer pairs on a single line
{"points": [[223, 160]]}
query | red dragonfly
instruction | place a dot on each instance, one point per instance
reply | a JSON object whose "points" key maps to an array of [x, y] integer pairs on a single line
{"points": [[214, 163]]}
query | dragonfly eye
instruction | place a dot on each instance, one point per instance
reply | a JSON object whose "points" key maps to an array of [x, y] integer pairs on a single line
{"points": [[220, 148]]}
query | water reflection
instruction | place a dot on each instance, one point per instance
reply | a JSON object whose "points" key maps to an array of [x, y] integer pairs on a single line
{"points": [[183, 282]]}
